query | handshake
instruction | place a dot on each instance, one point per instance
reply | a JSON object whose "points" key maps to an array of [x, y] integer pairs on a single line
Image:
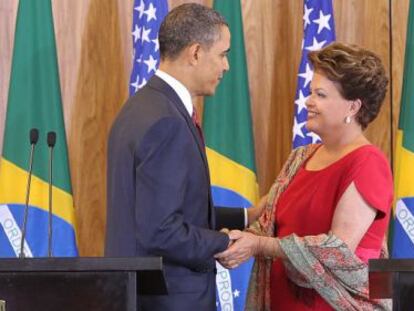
{"points": [[244, 245]]}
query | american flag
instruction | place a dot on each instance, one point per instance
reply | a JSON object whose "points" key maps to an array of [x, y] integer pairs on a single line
{"points": [[146, 21], [319, 30]]}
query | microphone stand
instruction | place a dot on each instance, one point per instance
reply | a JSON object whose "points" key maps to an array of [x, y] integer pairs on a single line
{"points": [[51, 140], [34, 135]]}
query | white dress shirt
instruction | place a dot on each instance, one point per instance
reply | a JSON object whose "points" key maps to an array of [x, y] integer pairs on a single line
{"points": [[179, 88]]}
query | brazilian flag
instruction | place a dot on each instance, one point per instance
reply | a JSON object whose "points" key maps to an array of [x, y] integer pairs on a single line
{"points": [[34, 101], [403, 239], [230, 150]]}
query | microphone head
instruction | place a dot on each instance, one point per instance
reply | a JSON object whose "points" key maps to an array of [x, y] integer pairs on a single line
{"points": [[34, 136], [51, 139]]}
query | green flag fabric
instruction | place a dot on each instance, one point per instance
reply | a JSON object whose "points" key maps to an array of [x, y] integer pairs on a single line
{"points": [[34, 101], [403, 231], [230, 149]]}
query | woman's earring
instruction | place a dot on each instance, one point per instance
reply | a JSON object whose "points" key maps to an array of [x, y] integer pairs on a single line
{"points": [[348, 120]]}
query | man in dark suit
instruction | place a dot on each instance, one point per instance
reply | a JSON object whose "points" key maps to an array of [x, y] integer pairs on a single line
{"points": [[159, 199]]}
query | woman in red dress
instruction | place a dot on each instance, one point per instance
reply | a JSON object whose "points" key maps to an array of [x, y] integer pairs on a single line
{"points": [[329, 208]]}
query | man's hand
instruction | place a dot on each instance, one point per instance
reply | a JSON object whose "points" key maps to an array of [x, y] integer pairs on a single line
{"points": [[244, 246], [227, 231]]}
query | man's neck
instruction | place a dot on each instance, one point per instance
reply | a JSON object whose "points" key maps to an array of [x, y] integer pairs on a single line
{"points": [[179, 72]]}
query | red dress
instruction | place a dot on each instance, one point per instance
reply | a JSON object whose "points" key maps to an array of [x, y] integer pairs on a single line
{"points": [[307, 207]]}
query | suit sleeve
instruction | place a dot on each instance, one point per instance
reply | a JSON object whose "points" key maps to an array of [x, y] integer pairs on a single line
{"points": [[230, 218], [162, 187]]}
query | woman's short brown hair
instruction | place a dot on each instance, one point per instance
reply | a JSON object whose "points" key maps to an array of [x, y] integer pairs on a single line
{"points": [[359, 73]]}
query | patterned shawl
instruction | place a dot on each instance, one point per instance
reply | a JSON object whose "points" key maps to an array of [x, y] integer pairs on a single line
{"points": [[321, 262]]}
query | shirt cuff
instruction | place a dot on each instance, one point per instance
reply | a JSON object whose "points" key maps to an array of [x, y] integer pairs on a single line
{"points": [[246, 219]]}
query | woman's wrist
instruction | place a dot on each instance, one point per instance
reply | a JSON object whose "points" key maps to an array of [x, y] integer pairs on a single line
{"points": [[268, 247]]}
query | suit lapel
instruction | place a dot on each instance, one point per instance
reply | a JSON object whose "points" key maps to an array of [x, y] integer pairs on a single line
{"points": [[161, 85]]}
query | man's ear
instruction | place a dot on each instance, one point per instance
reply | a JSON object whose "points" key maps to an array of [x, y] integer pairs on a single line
{"points": [[193, 53]]}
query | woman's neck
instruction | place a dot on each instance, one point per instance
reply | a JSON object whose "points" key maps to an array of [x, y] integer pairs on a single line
{"points": [[351, 138]]}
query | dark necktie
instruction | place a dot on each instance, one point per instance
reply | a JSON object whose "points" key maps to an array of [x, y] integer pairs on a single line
{"points": [[197, 124], [200, 133]]}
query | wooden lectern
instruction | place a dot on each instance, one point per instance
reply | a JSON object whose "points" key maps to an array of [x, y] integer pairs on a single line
{"points": [[393, 278], [63, 284]]}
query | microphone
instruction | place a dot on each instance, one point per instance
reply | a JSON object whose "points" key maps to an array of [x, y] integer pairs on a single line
{"points": [[34, 137], [51, 141]]}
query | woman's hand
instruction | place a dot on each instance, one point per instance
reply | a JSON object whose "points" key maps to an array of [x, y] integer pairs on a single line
{"points": [[244, 246], [254, 212]]}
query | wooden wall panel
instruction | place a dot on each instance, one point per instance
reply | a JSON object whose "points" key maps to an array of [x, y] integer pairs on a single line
{"points": [[399, 11], [101, 90], [273, 38], [94, 53], [69, 19], [8, 11], [125, 26], [366, 23]]}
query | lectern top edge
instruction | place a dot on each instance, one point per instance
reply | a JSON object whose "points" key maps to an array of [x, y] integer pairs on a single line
{"points": [[391, 265], [81, 264]]}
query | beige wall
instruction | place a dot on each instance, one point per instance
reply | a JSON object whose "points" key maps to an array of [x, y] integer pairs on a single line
{"points": [[94, 51]]}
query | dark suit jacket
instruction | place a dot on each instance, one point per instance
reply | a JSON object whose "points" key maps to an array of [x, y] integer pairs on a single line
{"points": [[159, 199]]}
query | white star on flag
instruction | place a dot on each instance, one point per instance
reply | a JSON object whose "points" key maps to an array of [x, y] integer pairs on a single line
{"points": [[156, 44], [297, 128], [135, 84], [316, 45], [136, 33], [301, 101], [140, 8], [146, 21], [306, 15], [151, 63], [323, 21], [307, 75], [318, 31], [143, 82], [145, 35], [236, 293], [150, 12]]}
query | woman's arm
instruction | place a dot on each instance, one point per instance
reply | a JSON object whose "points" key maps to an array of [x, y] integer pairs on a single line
{"points": [[352, 217], [255, 211], [245, 245], [351, 220]]}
